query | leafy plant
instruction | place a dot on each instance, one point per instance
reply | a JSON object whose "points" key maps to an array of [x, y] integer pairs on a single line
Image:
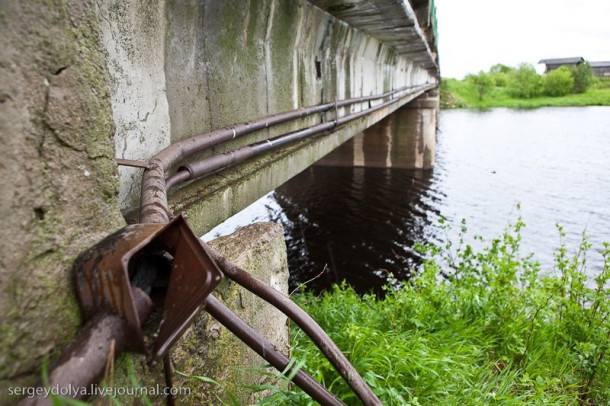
{"points": [[500, 73], [524, 82], [483, 83], [583, 77], [558, 82], [500, 68], [476, 326]]}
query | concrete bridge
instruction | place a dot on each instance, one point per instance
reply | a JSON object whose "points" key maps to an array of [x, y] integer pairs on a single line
{"points": [[178, 72], [85, 82]]}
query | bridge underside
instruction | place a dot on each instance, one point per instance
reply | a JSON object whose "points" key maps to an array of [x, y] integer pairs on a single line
{"points": [[181, 70], [403, 139], [213, 199]]}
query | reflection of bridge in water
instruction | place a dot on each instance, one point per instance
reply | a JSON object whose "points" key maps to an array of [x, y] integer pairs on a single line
{"points": [[355, 224]]}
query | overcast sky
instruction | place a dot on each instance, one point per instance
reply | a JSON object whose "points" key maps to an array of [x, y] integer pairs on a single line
{"points": [[476, 34]]}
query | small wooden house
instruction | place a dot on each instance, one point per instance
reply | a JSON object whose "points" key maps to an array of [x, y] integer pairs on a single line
{"points": [[558, 62], [601, 68]]}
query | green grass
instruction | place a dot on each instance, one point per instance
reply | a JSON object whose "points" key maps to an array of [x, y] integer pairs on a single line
{"points": [[462, 94], [496, 329]]}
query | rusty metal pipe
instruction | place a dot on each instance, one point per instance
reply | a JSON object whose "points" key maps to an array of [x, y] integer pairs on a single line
{"points": [[153, 203], [305, 322], [176, 179], [217, 162], [83, 362], [266, 350], [182, 149]]}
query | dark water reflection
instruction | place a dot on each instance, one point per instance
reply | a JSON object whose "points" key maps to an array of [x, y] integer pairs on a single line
{"points": [[360, 224], [377, 214]]}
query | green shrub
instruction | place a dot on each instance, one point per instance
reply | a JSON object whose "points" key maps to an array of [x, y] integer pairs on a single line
{"points": [[474, 327], [500, 79], [601, 83], [482, 83], [524, 82], [500, 68], [583, 77], [558, 82], [500, 74]]}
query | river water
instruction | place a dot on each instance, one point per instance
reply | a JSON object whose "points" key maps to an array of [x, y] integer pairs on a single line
{"points": [[360, 224]]}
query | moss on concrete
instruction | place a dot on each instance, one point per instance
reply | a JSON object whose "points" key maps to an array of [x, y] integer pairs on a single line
{"points": [[58, 175], [187, 83], [280, 42], [235, 59]]}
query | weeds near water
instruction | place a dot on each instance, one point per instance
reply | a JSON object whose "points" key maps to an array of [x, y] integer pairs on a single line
{"points": [[476, 326]]}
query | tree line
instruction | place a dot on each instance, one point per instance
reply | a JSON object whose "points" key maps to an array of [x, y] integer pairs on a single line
{"points": [[523, 82]]}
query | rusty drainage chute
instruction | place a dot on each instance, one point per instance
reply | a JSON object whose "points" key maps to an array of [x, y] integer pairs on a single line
{"points": [[115, 293]]}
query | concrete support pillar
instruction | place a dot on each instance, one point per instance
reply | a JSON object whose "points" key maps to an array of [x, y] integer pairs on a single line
{"points": [[404, 139]]}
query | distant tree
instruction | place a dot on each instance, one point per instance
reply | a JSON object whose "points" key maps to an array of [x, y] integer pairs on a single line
{"points": [[558, 82], [499, 68], [483, 83], [499, 73], [470, 77], [583, 77], [500, 78], [524, 82]]}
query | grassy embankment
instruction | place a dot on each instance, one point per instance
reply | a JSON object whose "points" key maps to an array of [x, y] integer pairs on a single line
{"points": [[498, 330], [463, 94]]}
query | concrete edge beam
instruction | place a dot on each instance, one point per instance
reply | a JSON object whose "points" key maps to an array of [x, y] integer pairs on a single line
{"points": [[211, 200]]}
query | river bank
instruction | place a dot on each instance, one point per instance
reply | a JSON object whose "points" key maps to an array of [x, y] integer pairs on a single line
{"points": [[463, 94], [494, 329]]}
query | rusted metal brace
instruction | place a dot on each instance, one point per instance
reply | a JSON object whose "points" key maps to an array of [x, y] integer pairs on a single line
{"points": [[266, 350], [305, 322]]}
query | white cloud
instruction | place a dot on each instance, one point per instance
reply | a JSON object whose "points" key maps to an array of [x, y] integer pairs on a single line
{"points": [[475, 34]]}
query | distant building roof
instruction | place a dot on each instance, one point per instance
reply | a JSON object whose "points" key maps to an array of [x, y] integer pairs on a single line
{"points": [[600, 64], [563, 61]]}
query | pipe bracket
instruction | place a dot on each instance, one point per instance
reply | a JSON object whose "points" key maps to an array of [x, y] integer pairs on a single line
{"points": [[157, 258]]}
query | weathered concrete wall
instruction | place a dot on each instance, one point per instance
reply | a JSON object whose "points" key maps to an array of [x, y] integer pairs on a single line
{"points": [[133, 35], [404, 139], [58, 178]]}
